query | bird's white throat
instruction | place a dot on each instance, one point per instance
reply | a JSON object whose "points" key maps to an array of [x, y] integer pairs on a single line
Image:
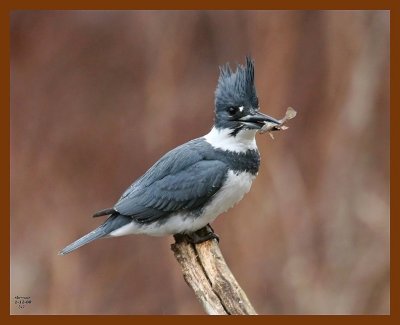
{"points": [[241, 142]]}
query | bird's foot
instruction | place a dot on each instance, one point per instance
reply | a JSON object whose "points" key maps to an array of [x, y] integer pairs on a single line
{"points": [[202, 235]]}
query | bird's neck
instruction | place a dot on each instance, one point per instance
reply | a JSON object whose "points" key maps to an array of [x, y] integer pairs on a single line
{"points": [[221, 138]]}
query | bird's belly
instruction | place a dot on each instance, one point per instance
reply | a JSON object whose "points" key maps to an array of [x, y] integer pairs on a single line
{"points": [[237, 184]]}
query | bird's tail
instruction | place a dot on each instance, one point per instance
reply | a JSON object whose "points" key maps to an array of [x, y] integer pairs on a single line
{"points": [[114, 222]]}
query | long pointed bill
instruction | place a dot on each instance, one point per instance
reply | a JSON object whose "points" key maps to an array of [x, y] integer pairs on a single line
{"points": [[258, 120]]}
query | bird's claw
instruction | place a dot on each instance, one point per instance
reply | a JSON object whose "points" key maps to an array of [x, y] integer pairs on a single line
{"points": [[199, 236]]}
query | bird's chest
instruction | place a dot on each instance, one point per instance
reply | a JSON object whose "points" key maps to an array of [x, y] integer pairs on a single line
{"points": [[236, 185]]}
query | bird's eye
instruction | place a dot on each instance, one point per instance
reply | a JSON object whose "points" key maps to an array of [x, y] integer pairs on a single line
{"points": [[232, 110]]}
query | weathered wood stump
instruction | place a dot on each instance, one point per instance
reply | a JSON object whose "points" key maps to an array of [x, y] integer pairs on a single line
{"points": [[205, 271]]}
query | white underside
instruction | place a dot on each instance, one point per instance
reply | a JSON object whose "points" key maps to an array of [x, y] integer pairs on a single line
{"points": [[235, 187]]}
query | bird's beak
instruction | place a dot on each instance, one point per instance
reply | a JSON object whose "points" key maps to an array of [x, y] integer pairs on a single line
{"points": [[258, 120]]}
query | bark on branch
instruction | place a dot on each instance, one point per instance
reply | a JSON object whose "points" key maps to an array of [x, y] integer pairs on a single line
{"points": [[205, 271]]}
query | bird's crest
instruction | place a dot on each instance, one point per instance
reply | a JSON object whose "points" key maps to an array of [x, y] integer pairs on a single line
{"points": [[236, 87]]}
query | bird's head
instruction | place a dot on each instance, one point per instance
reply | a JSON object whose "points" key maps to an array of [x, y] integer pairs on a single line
{"points": [[236, 101]]}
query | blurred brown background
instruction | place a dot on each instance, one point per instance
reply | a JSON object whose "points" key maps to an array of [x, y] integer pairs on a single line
{"points": [[98, 96]]}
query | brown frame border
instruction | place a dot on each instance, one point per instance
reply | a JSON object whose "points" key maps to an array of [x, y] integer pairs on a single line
{"points": [[7, 6]]}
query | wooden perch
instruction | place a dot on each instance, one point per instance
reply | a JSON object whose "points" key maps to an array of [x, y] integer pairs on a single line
{"points": [[205, 271]]}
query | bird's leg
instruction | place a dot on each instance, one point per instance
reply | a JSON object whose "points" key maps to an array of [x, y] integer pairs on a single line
{"points": [[179, 238], [201, 235]]}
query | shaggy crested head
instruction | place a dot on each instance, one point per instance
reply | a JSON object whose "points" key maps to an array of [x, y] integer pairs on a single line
{"points": [[235, 92]]}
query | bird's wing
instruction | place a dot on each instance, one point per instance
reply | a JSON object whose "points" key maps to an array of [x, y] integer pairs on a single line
{"points": [[185, 190]]}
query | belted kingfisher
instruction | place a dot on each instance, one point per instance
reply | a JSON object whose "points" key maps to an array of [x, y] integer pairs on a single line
{"points": [[187, 188]]}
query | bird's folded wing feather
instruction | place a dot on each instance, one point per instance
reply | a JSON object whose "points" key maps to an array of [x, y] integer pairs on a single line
{"points": [[185, 190]]}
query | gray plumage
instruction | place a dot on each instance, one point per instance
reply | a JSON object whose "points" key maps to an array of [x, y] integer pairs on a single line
{"points": [[183, 179], [115, 221]]}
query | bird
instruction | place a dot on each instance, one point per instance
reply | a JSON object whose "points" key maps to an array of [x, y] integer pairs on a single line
{"points": [[191, 185]]}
